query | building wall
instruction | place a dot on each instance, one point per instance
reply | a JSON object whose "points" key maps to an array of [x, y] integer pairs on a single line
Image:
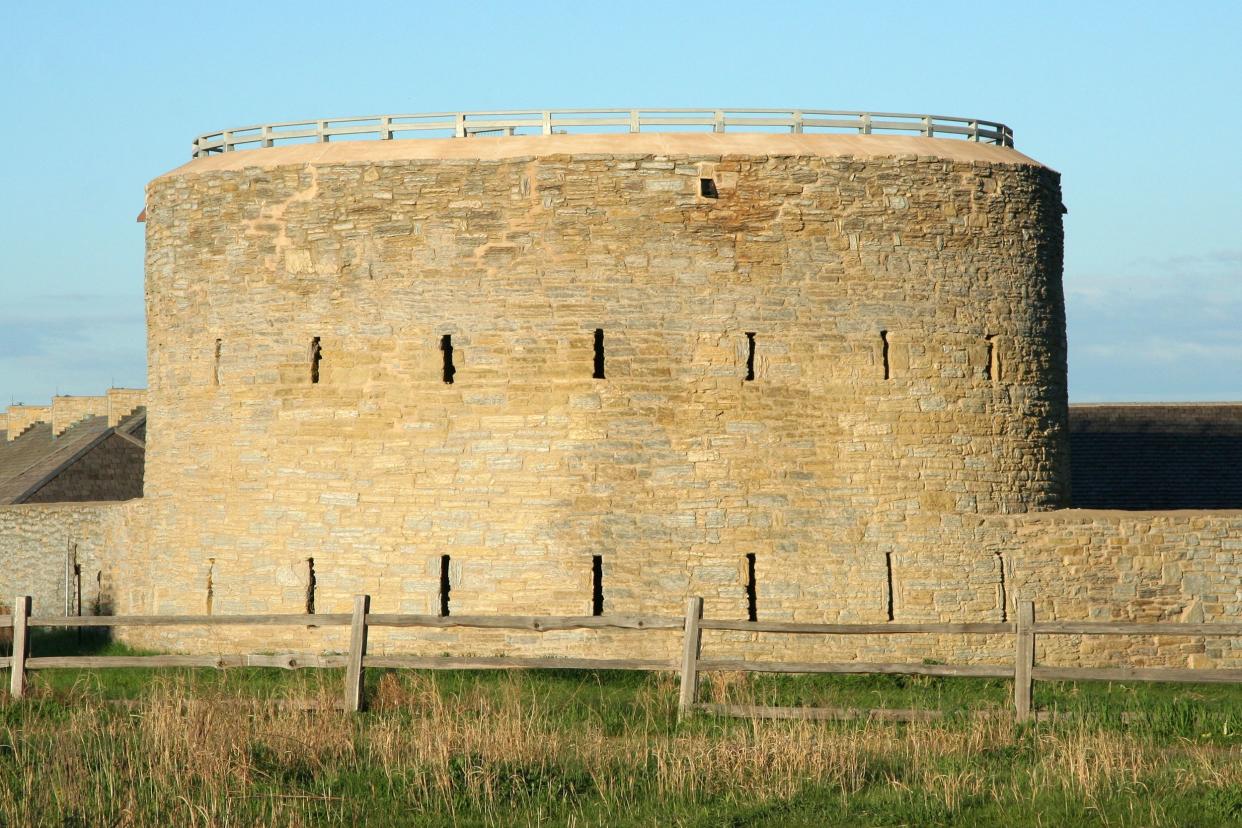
{"points": [[40, 543], [1134, 566], [112, 470], [1164, 567], [675, 466]]}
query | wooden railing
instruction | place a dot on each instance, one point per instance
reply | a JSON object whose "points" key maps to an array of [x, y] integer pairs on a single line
{"points": [[558, 121], [1024, 671]]}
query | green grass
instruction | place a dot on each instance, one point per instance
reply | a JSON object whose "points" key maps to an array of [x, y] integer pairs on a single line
{"points": [[560, 747]]}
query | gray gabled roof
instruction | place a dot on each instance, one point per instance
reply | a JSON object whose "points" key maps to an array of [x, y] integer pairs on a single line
{"points": [[1156, 456], [35, 457]]}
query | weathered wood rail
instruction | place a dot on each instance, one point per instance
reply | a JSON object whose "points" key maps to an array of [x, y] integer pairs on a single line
{"points": [[558, 121], [1024, 671]]}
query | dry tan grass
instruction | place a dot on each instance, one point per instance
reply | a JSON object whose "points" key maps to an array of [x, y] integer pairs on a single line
{"points": [[192, 757]]}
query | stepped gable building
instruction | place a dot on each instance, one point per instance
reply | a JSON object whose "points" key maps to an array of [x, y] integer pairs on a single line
{"points": [[76, 449], [809, 365]]}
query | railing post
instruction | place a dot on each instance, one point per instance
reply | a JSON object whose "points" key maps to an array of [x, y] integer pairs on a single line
{"points": [[797, 123], [385, 128], [928, 130], [547, 122], [691, 645], [718, 122], [321, 131], [355, 676], [634, 122], [1024, 660], [460, 130], [21, 646]]}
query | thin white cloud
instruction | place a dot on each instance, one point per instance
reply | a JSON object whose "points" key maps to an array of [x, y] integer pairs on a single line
{"points": [[1161, 329], [70, 343]]}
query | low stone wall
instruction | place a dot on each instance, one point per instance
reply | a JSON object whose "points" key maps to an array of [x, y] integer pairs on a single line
{"points": [[1181, 566], [1074, 564], [40, 545]]}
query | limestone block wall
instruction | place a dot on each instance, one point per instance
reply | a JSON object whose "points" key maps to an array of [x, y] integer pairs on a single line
{"points": [[1074, 564], [41, 544], [1134, 566], [124, 401], [908, 359], [18, 418], [67, 410]]}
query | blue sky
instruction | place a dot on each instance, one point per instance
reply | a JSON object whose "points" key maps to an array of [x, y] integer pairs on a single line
{"points": [[1137, 104]]}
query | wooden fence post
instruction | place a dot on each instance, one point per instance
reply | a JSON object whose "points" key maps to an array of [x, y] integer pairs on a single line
{"points": [[692, 644], [355, 677], [1024, 660], [21, 646]]}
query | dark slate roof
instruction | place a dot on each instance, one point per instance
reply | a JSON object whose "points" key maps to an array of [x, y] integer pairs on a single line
{"points": [[35, 457], [1156, 456]]}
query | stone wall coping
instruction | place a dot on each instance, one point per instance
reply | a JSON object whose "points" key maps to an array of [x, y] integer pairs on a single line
{"points": [[639, 144]]}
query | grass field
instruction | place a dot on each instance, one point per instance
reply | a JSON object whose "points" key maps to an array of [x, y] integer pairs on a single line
{"points": [[201, 747]]}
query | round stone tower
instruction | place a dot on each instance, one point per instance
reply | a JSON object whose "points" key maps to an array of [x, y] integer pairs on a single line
{"points": [[554, 373]]}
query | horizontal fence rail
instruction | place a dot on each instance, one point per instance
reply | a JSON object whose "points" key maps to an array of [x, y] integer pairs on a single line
{"points": [[565, 121], [1024, 671], [889, 628], [855, 668]]}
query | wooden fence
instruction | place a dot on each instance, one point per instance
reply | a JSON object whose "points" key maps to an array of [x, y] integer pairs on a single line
{"points": [[1024, 671]]}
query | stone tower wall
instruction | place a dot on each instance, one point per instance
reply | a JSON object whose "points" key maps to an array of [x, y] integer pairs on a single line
{"points": [[945, 265]]}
